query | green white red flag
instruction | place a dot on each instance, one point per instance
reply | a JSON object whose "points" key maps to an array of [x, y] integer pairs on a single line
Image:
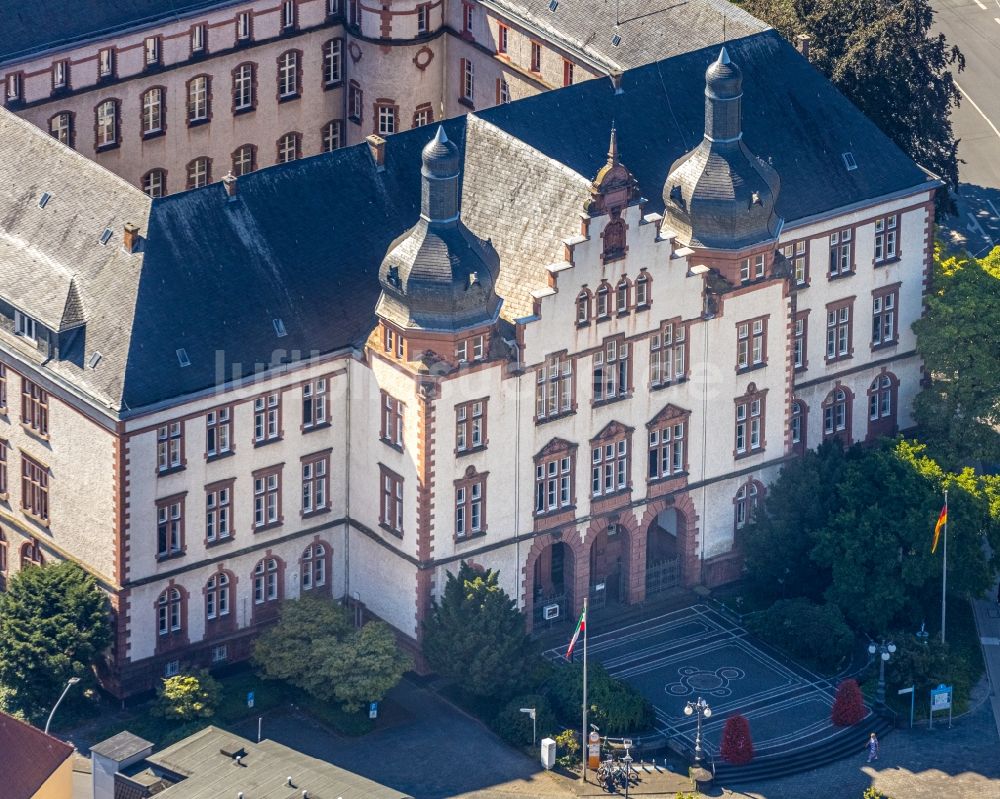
{"points": [[580, 627]]}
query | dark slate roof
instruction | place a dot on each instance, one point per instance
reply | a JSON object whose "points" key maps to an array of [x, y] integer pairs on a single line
{"points": [[262, 773], [31, 27], [648, 29], [303, 242], [30, 757]]}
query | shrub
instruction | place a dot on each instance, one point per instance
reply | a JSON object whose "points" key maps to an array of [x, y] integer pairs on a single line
{"points": [[568, 748], [848, 705], [187, 697], [817, 634], [925, 666], [615, 706], [737, 745], [515, 727]]}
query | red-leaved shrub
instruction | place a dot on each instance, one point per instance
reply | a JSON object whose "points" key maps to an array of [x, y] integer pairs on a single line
{"points": [[737, 745], [848, 705]]}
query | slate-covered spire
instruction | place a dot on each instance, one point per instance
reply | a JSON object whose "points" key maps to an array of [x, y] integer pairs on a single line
{"points": [[720, 195], [439, 275]]}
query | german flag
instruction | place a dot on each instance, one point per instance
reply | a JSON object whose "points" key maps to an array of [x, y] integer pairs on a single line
{"points": [[941, 522]]}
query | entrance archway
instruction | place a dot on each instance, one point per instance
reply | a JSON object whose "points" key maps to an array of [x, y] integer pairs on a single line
{"points": [[552, 583], [663, 551], [609, 564]]}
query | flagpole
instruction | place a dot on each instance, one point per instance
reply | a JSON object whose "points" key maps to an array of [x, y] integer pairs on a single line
{"points": [[944, 567], [583, 738]]}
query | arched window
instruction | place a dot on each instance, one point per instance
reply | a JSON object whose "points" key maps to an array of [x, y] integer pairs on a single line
{"points": [[798, 426], [289, 147], [583, 307], [837, 415], [882, 405], [603, 301], [244, 159], [154, 183], [266, 585], [199, 172], [314, 567], [622, 296], [746, 502], [614, 238], [31, 554], [153, 112], [169, 615], [642, 286], [217, 597]]}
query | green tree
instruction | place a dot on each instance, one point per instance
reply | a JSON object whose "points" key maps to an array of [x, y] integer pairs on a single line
{"points": [[54, 624], [958, 339], [883, 57], [187, 697], [314, 647], [615, 706], [476, 634]]}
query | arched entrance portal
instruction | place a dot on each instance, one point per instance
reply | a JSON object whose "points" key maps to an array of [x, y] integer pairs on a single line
{"points": [[663, 551], [609, 564], [552, 584]]}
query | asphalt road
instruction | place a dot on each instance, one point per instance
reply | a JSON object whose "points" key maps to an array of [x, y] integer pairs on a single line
{"points": [[974, 25]]}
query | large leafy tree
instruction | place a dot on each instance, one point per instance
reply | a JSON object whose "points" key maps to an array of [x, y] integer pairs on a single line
{"points": [[54, 624], [883, 57], [314, 647], [476, 634], [959, 340]]}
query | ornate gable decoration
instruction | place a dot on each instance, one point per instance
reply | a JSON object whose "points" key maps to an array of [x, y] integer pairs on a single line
{"points": [[555, 447], [613, 188], [611, 431], [669, 411]]}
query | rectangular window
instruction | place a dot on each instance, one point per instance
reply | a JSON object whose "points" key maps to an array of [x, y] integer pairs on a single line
{"points": [[609, 468], [503, 32], [288, 15], [422, 19], [468, 80], [333, 62], [3, 386], [391, 511], [243, 87], [536, 57], [169, 527], [567, 73], [218, 433], [885, 239], [424, 115], [105, 63], [470, 501], [218, 512], [838, 331], [392, 421], [503, 91], [749, 431], [4, 449], [554, 483], [24, 326], [470, 426], [386, 119], [842, 252], [612, 371], [666, 449], [353, 13], [152, 111], [799, 341], [267, 418], [267, 498], [152, 50], [467, 17], [244, 27], [315, 483], [288, 74], [355, 102], [797, 257], [554, 387], [170, 447], [34, 488], [107, 124], [751, 343], [884, 304], [197, 99], [60, 75], [34, 407], [199, 39], [314, 411], [667, 354]]}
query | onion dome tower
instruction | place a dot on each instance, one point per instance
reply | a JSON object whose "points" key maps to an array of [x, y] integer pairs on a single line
{"points": [[438, 276], [720, 195]]}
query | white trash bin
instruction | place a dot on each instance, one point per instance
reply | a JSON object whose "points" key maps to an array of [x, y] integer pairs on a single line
{"points": [[548, 753]]}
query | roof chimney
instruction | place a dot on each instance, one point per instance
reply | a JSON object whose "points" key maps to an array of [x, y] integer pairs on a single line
{"points": [[229, 182], [130, 238], [802, 44], [377, 146], [616, 81]]}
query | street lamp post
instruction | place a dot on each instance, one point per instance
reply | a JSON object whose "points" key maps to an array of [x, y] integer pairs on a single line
{"points": [[627, 760], [702, 710], [532, 714], [71, 681], [885, 650]]}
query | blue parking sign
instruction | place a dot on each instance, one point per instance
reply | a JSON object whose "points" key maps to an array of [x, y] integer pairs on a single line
{"points": [[249, 698], [373, 710]]}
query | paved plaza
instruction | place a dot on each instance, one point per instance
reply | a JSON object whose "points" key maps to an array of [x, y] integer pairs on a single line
{"points": [[696, 651]]}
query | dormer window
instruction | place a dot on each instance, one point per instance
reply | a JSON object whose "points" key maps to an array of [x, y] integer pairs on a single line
{"points": [[24, 326]]}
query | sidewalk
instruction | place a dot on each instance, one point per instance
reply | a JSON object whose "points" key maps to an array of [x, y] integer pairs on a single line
{"points": [[988, 623]]}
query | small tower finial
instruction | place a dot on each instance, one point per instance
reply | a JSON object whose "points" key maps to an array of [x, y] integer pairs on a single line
{"points": [[613, 147]]}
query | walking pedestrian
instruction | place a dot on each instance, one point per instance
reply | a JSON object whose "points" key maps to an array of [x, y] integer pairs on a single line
{"points": [[872, 748]]}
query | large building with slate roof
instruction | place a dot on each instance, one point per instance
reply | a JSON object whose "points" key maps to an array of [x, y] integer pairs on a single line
{"points": [[173, 94], [571, 338]]}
